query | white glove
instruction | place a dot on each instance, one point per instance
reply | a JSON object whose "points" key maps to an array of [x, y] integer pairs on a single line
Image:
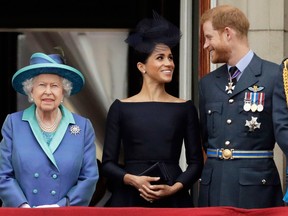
{"points": [[25, 205], [48, 206]]}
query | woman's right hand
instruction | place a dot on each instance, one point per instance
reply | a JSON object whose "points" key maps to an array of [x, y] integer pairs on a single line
{"points": [[139, 181]]}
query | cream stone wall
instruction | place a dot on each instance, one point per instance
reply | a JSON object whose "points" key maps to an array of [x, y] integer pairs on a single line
{"points": [[268, 38]]}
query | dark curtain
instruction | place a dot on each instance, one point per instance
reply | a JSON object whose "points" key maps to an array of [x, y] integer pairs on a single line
{"points": [[8, 56]]}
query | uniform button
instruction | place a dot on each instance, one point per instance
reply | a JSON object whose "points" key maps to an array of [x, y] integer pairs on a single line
{"points": [[227, 142], [200, 180], [35, 191], [53, 192], [54, 176], [263, 181], [231, 101], [229, 121], [209, 112], [36, 175]]}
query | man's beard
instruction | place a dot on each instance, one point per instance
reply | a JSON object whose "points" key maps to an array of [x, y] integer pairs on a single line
{"points": [[220, 55]]}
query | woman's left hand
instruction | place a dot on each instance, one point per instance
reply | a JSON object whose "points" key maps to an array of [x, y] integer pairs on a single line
{"points": [[156, 192]]}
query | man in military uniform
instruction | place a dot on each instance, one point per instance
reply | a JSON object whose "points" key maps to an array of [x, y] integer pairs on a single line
{"points": [[236, 117]]}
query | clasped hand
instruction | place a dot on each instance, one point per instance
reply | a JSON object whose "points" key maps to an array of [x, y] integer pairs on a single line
{"points": [[153, 192]]}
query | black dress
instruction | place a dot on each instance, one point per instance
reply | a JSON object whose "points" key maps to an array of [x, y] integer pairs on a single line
{"points": [[150, 132]]}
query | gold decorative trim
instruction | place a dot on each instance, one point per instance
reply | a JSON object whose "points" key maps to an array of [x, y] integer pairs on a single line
{"points": [[285, 78]]}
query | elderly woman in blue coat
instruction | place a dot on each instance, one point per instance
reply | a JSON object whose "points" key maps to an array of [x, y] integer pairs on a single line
{"points": [[47, 154]]}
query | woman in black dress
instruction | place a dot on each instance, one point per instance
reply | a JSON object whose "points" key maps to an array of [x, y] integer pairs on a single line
{"points": [[150, 127]]}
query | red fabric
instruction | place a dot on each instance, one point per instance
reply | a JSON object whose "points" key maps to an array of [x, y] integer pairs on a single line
{"points": [[105, 211]]}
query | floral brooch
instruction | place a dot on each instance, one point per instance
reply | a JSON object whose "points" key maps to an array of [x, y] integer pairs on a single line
{"points": [[75, 129]]}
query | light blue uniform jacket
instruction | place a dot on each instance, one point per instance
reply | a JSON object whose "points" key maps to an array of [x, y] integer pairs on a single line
{"points": [[33, 172]]}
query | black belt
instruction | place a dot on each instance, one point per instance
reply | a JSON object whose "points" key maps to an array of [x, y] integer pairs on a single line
{"points": [[227, 154]]}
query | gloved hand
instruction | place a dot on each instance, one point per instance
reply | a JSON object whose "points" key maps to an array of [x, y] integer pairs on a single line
{"points": [[48, 206], [25, 205]]}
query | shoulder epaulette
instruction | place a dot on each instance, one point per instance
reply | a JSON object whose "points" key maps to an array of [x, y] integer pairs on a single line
{"points": [[285, 78]]}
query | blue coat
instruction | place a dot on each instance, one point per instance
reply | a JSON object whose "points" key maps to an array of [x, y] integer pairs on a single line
{"points": [[33, 172], [244, 183]]}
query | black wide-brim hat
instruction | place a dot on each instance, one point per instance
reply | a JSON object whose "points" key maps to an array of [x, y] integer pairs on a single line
{"points": [[41, 63]]}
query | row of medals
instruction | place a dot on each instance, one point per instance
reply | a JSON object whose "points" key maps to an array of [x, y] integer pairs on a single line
{"points": [[254, 101]]}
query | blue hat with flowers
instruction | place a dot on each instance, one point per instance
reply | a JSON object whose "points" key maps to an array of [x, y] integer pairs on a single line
{"points": [[41, 63]]}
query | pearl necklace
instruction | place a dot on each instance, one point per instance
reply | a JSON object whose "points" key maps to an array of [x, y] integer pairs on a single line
{"points": [[49, 128]]}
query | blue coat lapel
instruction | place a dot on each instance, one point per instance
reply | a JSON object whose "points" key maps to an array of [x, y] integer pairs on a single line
{"points": [[250, 76], [222, 78], [67, 118]]}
